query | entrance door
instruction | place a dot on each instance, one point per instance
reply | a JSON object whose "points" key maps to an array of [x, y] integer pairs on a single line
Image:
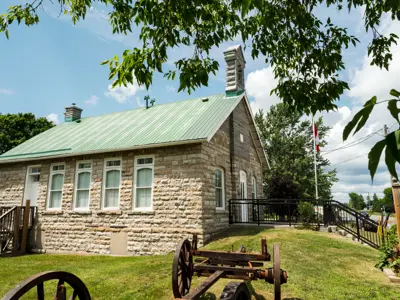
{"points": [[32, 185], [243, 195]]}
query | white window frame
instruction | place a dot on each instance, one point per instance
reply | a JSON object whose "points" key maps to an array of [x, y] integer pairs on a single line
{"points": [[27, 177], [254, 187], [51, 181], [76, 182], [222, 188], [136, 168], [119, 168]]}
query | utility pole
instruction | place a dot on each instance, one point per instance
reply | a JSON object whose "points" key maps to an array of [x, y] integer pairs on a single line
{"points": [[395, 191]]}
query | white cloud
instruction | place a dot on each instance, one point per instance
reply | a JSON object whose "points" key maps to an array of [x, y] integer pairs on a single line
{"points": [[170, 89], [53, 118], [122, 93], [138, 102], [92, 100], [259, 85], [7, 92]]}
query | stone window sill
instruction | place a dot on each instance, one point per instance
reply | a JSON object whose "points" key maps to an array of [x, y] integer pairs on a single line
{"points": [[52, 212], [148, 213], [77, 212], [110, 212], [220, 211]]}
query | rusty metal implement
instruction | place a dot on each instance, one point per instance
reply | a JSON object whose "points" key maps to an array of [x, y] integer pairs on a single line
{"points": [[190, 261]]}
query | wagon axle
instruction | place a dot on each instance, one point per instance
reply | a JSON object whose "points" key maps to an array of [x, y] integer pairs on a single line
{"points": [[221, 264]]}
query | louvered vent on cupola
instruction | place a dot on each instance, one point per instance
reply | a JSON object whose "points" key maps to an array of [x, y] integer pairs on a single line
{"points": [[235, 65]]}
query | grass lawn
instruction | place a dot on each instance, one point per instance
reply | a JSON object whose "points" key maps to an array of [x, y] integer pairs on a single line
{"points": [[319, 265]]}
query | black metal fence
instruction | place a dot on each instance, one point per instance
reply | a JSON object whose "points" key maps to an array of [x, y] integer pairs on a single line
{"points": [[285, 211]]}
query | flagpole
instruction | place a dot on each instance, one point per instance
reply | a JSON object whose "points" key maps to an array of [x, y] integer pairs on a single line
{"points": [[315, 170]]}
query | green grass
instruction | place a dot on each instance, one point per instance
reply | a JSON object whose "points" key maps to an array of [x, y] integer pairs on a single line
{"points": [[319, 265]]}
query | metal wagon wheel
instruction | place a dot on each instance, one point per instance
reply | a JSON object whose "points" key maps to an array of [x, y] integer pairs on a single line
{"points": [[277, 273], [79, 289], [182, 269]]}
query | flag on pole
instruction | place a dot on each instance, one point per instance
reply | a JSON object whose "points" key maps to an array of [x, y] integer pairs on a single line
{"points": [[316, 137]]}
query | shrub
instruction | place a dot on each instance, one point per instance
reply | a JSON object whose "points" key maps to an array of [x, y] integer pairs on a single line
{"points": [[306, 212], [390, 252]]}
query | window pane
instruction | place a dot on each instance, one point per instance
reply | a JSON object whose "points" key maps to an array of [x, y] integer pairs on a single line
{"points": [[84, 166], [142, 161], [82, 199], [113, 163], [144, 177], [218, 195], [55, 199], [35, 178], [35, 170], [111, 198], [143, 197], [57, 182], [84, 180], [58, 168], [112, 179], [218, 178]]}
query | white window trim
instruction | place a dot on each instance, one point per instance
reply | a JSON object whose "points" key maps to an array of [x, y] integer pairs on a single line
{"points": [[77, 171], [104, 182], [137, 167], [50, 182], [254, 185], [222, 188], [26, 179]]}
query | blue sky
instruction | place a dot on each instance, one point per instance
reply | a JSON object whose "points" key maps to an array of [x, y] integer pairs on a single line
{"points": [[51, 65]]}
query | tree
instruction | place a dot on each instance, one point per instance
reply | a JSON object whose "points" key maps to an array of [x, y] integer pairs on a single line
{"points": [[387, 200], [376, 203], [368, 202], [304, 51], [17, 128], [356, 201], [288, 142]]}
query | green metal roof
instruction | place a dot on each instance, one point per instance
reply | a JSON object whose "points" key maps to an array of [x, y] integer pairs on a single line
{"points": [[172, 123]]}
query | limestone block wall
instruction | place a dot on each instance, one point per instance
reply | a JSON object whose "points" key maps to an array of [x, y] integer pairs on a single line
{"points": [[176, 214], [226, 150]]}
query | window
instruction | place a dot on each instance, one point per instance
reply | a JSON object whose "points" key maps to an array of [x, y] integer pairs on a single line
{"points": [[144, 173], [253, 188], [241, 138], [82, 185], [219, 189], [111, 183], [56, 186]]}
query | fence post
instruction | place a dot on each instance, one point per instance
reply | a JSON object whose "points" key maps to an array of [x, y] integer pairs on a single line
{"points": [[17, 220], [396, 202], [258, 212], [25, 225], [358, 228]]}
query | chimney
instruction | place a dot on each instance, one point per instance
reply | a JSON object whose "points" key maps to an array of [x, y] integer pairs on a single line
{"points": [[72, 113], [235, 64]]}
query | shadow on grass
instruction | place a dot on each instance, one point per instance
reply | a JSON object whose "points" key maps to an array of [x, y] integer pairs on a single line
{"points": [[253, 292]]}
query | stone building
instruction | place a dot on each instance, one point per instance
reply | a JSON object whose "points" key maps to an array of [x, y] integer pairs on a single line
{"points": [[138, 181]]}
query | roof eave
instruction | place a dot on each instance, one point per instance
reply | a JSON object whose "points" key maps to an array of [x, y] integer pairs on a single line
{"points": [[177, 143]]}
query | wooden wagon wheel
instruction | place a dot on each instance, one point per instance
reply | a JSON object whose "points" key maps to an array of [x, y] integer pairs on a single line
{"points": [[79, 289], [182, 269], [277, 273]]}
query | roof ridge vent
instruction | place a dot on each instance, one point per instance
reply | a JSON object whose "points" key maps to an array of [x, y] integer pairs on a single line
{"points": [[204, 99]]}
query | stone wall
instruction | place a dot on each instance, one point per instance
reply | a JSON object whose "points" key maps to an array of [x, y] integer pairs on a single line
{"points": [[226, 150], [177, 204]]}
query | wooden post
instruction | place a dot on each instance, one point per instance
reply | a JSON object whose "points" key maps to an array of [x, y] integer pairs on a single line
{"points": [[25, 226], [17, 220], [396, 200]]}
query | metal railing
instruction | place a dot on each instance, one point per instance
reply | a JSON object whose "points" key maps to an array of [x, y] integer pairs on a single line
{"points": [[285, 211]]}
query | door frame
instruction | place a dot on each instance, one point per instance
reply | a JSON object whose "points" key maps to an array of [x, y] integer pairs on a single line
{"points": [[245, 209], [26, 182]]}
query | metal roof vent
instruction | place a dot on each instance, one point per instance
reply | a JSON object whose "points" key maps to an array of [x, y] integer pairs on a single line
{"points": [[204, 99]]}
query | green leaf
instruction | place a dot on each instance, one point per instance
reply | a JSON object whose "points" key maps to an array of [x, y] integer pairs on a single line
{"points": [[6, 32], [360, 118], [393, 143], [374, 156], [394, 111], [245, 7], [390, 162], [394, 93]]}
